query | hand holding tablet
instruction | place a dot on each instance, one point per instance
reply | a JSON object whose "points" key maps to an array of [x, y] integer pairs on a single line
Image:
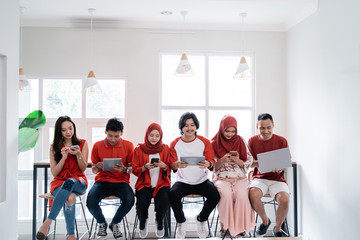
{"points": [[108, 163]]}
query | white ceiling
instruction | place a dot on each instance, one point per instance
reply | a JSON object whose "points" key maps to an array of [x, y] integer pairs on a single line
{"points": [[263, 15]]}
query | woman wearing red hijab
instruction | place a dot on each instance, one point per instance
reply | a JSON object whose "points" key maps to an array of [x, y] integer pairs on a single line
{"points": [[151, 164], [232, 162]]}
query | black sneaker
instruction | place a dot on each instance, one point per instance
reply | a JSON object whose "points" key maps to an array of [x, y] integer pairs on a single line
{"points": [[102, 229], [115, 228], [263, 228], [278, 234]]}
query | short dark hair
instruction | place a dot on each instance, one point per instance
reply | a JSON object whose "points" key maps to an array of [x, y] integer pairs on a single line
{"points": [[186, 116], [265, 116], [114, 124]]}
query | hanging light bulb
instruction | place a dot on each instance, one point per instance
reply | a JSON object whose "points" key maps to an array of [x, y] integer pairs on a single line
{"points": [[242, 70], [91, 84], [184, 68], [24, 83]]}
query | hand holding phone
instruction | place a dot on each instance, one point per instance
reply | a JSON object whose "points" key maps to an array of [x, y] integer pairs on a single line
{"points": [[154, 160], [74, 147], [233, 153]]}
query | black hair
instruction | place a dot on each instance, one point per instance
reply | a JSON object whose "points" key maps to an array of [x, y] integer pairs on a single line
{"points": [[186, 116], [265, 116], [58, 137], [114, 124]]}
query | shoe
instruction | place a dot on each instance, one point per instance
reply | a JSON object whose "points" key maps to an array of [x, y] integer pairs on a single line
{"points": [[41, 236], [181, 230], [202, 228], [102, 229], [115, 228], [278, 234], [159, 232], [143, 232], [263, 228]]}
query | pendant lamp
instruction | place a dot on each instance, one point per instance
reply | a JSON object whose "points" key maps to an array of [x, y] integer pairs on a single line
{"points": [[24, 83], [184, 68], [91, 85], [242, 70]]}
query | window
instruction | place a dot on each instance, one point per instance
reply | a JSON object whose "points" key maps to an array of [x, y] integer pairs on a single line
{"points": [[57, 97], [210, 94]]}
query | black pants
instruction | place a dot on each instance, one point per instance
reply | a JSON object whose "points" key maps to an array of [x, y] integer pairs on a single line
{"points": [[161, 201], [205, 189]]}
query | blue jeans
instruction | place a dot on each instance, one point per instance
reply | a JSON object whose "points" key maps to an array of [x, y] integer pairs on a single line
{"points": [[61, 194], [101, 190]]}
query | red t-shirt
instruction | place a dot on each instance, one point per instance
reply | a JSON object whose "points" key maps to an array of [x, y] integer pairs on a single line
{"points": [[144, 179], [103, 149], [257, 145], [69, 170]]}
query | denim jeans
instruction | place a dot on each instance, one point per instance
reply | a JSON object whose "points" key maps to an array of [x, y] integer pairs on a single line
{"points": [[61, 194], [101, 190]]}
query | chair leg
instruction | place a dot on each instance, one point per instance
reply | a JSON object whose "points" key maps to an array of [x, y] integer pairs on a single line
{"points": [[135, 226]]}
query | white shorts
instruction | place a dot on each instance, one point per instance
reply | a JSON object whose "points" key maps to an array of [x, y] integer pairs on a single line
{"points": [[269, 186]]}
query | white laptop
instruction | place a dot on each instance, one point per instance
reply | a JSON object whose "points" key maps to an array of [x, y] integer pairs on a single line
{"points": [[108, 163], [277, 159]]}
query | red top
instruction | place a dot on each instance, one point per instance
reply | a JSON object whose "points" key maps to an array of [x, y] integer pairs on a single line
{"points": [[144, 179], [69, 170], [222, 145], [257, 145], [103, 149]]}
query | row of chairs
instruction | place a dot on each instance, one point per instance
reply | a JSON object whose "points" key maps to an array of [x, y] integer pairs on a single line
{"points": [[190, 199]]}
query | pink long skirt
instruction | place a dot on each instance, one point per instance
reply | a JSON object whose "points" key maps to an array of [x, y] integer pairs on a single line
{"points": [[235, 212]]}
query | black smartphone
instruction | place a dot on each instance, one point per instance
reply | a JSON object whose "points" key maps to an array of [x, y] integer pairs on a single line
{"points": [[154, 160]]}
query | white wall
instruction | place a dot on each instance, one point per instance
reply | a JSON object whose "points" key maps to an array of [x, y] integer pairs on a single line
{"points": [[135, 54], [323, 82], [9, 31]]}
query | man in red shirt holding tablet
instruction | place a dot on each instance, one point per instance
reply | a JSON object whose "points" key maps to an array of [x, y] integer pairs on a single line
{"points": [[111, 183], [271, 182]]}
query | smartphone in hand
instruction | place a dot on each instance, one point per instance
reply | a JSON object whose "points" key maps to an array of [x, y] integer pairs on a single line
{"points": [[154, 160], [233, 153], [74, 147]]}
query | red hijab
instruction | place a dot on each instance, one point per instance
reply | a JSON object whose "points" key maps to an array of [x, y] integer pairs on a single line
{"points": [[147, 147], [222, 145]]}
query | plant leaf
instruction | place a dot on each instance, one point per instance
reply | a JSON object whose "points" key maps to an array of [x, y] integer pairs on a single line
{"points": [[27, 138], [35, 119]]}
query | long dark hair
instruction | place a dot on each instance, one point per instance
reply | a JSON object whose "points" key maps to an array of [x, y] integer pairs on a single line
{"points": [[58, 138]]}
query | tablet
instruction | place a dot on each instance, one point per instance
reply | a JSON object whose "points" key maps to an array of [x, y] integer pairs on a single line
{"points": [[192, 160], [108, 163], [277, 159]]}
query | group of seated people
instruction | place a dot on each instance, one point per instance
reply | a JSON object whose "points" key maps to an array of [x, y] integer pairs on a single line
{"points": [[227, 155]]}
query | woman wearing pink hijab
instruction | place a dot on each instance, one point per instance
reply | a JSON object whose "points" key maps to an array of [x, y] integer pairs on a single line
{"points": [[232, 163], [151, 164]]}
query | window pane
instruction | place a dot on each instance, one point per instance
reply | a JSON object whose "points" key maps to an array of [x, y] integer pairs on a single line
{"points": [[223, 89], [183, 91], [109, 103], [97, 134], [243, 117], [25, 188], [62, 97], [29, 101], [170, 123], [26, 160]]}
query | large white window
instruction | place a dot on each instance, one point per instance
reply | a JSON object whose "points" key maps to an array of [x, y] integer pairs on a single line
{"points": [[57, 97], [210, 94]]}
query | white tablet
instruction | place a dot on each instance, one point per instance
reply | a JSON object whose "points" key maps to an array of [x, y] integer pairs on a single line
{"points": [[277, 159], [108, 163], [192, 160]]}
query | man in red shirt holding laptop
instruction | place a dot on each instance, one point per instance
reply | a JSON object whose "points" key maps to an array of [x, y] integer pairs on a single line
{"points": [[273, 182], [111, 183]]}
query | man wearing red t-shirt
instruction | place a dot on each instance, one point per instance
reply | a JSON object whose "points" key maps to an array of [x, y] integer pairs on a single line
{"points": [[111, 183], [271, 182]]}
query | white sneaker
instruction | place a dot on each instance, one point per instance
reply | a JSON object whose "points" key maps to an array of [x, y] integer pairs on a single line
{"points": [[181, 230], [144, 232], [202, 228], [159, 233]]}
